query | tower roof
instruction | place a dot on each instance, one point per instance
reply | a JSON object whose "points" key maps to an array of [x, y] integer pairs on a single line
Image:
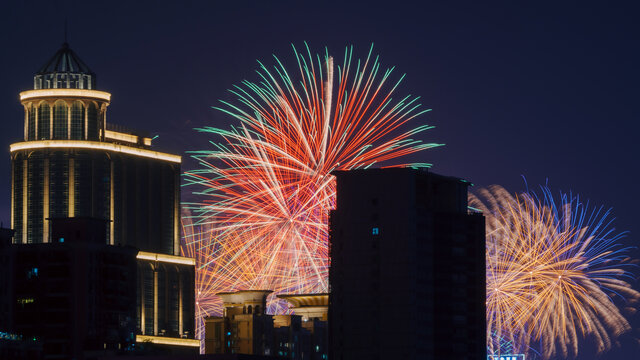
{"points": [[65, 60], [64, 70]]}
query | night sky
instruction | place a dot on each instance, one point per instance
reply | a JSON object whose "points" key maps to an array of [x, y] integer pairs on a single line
{"points": [[544, 90]]}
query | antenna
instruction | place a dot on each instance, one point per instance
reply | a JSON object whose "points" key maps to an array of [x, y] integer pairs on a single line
{"points": [[65, 30]]}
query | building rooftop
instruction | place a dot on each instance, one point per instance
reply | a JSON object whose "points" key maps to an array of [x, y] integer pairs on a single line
{"points": [[65, 60], [243, 296], [65, 70], [306, 300]]}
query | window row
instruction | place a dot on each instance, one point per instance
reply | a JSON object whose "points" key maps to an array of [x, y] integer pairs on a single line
{"points": [[61, 121], [64, 81]]}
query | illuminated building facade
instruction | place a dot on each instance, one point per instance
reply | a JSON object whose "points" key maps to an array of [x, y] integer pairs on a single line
{"points": [[244, 328], [165, 302], [407, 272], [73, 164]]}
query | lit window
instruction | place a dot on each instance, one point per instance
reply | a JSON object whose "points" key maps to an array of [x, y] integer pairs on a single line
{"points": [[23, 301], [61, 240], [375, 231], [32, 273]]}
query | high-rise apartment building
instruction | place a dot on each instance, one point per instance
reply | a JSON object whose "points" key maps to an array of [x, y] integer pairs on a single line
{"points": [[73, 164], [407, 274]]}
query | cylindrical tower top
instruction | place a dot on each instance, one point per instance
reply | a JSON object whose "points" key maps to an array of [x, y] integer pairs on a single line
{"points": [[64, 104], [64, 70]]}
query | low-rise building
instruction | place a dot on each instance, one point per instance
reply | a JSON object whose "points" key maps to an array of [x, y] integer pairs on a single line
{"points": [[245, 328]]}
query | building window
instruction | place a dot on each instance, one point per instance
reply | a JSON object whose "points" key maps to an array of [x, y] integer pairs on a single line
{"points": [[375, 231], [92, 120], [77, 121], [44, 118], [31, 125], [33, 272], [60, 120]]}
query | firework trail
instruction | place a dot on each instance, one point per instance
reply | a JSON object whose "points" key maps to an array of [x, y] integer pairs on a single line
{"points": [[266, 187], [197, 243], [555, 273]]}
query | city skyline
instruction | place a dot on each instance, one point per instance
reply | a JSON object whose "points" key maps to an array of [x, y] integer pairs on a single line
{"points": [[543, 92]]}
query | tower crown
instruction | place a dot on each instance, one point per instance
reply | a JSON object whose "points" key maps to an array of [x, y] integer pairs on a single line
{"points": [[65, 70]]}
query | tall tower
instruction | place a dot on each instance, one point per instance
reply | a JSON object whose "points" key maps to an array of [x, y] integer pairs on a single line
{"points": [[73, 164]]}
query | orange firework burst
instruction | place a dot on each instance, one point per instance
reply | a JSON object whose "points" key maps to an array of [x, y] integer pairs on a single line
{"points": [[554, 273], [266, 188], [196, 243]]}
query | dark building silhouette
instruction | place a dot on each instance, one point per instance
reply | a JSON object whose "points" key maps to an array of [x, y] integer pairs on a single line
{"points": [[73, 165], [313, 311], [75, 295], [6, 237], [14, 346], [407, 272]]}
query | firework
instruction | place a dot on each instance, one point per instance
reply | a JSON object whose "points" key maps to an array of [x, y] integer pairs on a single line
{"points": [[266, 187], [555, 273], [197, 241]]}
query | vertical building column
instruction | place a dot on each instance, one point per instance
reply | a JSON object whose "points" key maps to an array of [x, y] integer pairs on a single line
{"points": [[45, 203], [180, 315], [111, 204], [85, 108], [155, 300], [101, 126], [35, 124], [68, 120], [13, 193], [26, 124], [141, 289], [72, 188], [122, 219], [50, 122], [103, 107], [25, 178], [176, 216]]}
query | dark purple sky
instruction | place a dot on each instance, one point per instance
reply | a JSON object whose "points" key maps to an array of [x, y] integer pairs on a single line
{"points": [[548, 90]]}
